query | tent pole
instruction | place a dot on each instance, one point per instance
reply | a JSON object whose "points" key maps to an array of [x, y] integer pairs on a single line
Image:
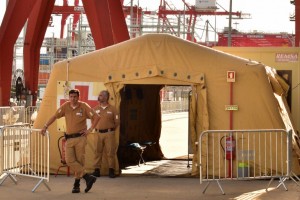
{"points": [[231, 103], [230, 126]]}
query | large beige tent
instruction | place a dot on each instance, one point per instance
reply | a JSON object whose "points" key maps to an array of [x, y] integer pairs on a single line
{"points": [[134, 72]]}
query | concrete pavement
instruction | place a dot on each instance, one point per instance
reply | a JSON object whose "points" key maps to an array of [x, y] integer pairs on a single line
{"points": [[135, 187], [166, 179]]}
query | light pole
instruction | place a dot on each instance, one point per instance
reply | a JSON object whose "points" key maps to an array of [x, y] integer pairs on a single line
{"points": [[229, 27], [235, 23]]}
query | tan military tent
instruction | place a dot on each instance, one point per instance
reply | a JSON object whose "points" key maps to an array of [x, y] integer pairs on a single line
{"points": [[134, 71]]}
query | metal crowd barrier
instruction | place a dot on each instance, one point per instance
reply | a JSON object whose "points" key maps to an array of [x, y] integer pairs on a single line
{"points": [[174, 106], [31, 114], [12, 115], [24, 152], [245, 155]]}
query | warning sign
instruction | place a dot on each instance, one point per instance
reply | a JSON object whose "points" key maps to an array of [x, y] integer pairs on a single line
{"points": [[231, 107], [230, 76]]}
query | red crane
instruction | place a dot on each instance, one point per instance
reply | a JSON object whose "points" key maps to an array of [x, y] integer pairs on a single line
{"points": [[136, 12], [105, 17]]}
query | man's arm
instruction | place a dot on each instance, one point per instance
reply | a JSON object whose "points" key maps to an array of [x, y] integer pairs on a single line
{"points": [[47, 124], [95, 119], [116, 118]]}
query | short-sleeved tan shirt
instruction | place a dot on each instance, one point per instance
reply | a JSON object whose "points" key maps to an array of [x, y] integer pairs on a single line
{"points": [[75, 117], [109, 117]]}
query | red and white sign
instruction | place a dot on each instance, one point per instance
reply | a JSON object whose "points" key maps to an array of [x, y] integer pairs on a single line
{"points": [[89, 92], [286, 57], [230, 76]]}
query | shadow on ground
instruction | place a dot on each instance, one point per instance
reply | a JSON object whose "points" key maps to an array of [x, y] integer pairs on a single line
{"points": [[163, 168]]}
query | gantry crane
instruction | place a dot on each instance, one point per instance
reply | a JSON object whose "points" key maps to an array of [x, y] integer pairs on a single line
{"points": [[106, 19], [135, 12]]}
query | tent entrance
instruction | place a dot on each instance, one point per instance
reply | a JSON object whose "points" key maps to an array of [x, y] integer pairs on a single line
{"points": [[175, 112], [145, 119]]}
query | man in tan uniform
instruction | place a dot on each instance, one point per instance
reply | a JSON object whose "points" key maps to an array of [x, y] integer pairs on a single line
{"points": [[76, 113], [105, 137]]}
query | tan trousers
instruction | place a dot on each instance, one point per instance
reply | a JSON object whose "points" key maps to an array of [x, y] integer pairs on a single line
{"points": [[75, 155], [105, 143]]}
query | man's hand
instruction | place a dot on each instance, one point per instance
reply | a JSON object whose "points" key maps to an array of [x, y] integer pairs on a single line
{"points": [[86, 132], [43, 131]]}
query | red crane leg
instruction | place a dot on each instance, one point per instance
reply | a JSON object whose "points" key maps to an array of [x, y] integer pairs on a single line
{"points": [[63, 20], [98, 15], [14, 19], [35, 32], [74, 24], [62, 24], [75, 20], [119, 27]]}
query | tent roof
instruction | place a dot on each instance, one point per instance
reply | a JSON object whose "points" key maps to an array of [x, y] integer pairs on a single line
{"points": [[154, 55], [165, 59]]}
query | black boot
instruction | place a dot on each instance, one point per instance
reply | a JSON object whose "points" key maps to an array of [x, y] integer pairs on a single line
{"points": [[111, 173], [90, 180], [96, 172], [76, 188]]}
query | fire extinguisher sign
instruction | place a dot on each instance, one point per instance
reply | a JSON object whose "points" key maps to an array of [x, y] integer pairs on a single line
{"points": [[230, 76]]}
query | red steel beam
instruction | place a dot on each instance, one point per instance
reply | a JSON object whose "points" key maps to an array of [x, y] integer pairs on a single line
{"points": [[13, 21], [75, 20], [64, 17], [118, 23], [62, 24], [98, 15], [65, 9], [35, 32]]}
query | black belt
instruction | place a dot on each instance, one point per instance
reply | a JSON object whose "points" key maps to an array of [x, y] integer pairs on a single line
{"points": [[74, 135], [105, 130]]}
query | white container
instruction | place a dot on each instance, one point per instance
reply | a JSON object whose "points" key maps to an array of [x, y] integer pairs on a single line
{"points": [[205, 5]]}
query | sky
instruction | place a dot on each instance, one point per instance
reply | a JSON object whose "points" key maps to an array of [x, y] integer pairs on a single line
{"points": [[269, 16]]}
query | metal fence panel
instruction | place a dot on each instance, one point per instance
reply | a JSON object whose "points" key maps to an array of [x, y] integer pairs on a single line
{"points": [[31, 114], [12, 115], [24, 152], [244, 155], [174, 106]]}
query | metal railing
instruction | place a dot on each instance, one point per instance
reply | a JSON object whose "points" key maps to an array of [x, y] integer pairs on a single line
{"points": [[31, 114], [12, 115], [245, 155], [20, 114], [174, 106], [24, 152]]}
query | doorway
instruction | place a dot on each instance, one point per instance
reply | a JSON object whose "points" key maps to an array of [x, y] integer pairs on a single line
{"points": [[147, 117], [174, 111]]}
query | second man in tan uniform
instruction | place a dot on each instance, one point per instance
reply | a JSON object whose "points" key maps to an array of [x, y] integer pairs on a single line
{"points": [[105, 137]]}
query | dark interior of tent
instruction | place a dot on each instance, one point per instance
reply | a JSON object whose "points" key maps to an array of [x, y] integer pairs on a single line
{"points": [[140, 125]]}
